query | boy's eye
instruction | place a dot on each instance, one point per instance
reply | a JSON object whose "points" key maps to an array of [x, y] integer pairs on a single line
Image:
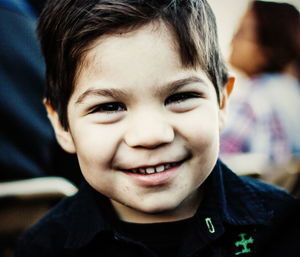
{"points": [[180, 97], [109, 107]]}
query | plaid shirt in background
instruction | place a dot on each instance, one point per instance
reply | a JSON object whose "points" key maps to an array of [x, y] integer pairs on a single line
{"points": [[265, 119]]}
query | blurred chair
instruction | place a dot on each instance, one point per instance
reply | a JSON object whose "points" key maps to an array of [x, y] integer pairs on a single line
{"points": [[285, 176], [246, 164], [24, 202]]}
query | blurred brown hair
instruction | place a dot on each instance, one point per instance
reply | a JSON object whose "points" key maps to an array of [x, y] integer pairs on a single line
{"points": [[278, 32]]}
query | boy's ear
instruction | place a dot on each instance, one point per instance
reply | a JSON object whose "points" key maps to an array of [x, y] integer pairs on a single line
{"points": [[224, 101], [63, 136]]}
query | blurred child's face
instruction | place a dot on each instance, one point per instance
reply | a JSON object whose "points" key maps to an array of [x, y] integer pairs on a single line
{"points": [[246, 54], [145, 129]]}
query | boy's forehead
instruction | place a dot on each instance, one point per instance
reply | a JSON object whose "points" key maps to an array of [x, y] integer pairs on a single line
{"points": [[147, 54], [111, 41]]}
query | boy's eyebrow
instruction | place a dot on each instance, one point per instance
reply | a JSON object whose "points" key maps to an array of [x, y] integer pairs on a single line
{"points": [[119, 93], [109, 92], [177, 84]]}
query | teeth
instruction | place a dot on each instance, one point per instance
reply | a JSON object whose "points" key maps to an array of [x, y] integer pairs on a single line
{"points": [[150, 170], [160, 168], [143, 171], [156, 169], [168, 166]]}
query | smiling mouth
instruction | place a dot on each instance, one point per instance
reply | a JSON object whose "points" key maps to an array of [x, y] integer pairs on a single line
{"points": [[154, 169]]}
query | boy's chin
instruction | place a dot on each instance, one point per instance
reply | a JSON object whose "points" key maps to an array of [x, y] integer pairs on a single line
{"points": [[157, 210]]}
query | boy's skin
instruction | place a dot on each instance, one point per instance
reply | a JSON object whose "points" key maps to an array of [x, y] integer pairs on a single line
{"points": [[135, 106]]}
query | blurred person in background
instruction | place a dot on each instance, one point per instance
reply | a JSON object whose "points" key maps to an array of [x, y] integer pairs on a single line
{"points": [[264, 119], [28, 147]]}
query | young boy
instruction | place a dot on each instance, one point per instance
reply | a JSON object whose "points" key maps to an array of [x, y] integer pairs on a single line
{"points": [[138, 90]]}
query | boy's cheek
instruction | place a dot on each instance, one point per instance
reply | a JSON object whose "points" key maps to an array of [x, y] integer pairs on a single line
{"points": [[91, 140]]}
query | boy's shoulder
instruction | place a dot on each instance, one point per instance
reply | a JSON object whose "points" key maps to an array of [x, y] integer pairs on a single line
{"points": [[266, 189], [257, 185], [71, 223], [54, 226], [252, 191]]}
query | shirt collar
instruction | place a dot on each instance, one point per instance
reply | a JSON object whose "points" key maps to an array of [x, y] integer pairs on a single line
{"points": [[232, 200], [228, 199]]}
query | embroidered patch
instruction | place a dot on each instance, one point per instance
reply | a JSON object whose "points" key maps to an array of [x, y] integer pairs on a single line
{"points": [[244, 243]]}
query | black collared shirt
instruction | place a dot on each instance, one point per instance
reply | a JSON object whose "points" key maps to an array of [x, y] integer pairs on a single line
{"points": [[233, 216]]}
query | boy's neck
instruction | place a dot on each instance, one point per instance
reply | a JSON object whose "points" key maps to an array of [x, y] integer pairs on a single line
{"points": [[187, 209]]}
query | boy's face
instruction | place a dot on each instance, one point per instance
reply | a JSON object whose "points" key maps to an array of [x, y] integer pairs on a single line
{"points": [[136, 110]]}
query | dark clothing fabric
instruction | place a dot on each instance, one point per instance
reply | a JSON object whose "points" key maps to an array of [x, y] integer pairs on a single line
{"points": [[28, 147], [284, 237], [162, 238], [37, 5], [234, 214]]}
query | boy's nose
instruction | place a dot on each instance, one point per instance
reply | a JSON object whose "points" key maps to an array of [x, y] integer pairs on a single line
{"points": [[149, 131]]}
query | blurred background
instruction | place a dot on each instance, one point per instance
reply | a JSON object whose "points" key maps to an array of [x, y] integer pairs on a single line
{"points": [[35, 173], [260, 43], [228, 14]]}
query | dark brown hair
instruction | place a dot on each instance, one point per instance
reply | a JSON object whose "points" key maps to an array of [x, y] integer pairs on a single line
{"points": [[67, 28], [278, 32]]}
